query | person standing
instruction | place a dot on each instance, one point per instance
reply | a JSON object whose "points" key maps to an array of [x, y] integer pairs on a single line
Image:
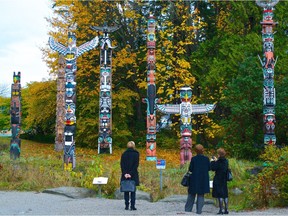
{"points": [[129, 168], [198, 180], [220, 190]]}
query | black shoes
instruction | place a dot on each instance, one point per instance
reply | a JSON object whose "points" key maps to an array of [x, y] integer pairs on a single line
{"points": [[132, 208], [221, 213]]}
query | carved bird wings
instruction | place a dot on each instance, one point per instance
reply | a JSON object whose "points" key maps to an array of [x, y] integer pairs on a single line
{"points": [[202, 108], [59, 47], [266, 4], [169, 108], [196, 108], [87, 46], [105, 28]]}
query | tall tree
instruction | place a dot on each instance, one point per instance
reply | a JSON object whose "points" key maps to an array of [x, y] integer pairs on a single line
{"points": [[4, 113], [39, 107]]}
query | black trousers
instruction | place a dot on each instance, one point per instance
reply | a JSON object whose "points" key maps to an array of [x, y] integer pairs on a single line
{"points": [[190, 202], [132, 196]]}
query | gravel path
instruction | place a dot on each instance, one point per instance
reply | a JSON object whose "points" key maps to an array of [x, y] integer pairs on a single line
{"points": [[31, 203]]}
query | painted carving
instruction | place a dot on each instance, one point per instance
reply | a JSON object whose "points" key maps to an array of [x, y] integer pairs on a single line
{"points": [[268, 63], [71, 53], [105, 102], [151, 99], [60, 103], [186, 110], [15, 113]]}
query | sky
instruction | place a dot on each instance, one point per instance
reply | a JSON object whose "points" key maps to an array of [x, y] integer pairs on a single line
{"points": [[23, 31]]}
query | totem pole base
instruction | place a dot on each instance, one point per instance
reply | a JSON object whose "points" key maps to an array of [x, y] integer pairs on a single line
{"points": [[151, 158], [14, 152], [104, 150], [68, 167]]}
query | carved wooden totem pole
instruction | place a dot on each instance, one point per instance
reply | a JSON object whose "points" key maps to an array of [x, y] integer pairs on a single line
{"points": [[15, 112], [71, 53], [151, 99], [268, 63], [60, 103], [105, 102], [186, 110]]}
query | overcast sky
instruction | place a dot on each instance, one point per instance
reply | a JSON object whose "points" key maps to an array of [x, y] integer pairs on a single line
{"points": [[23, 30]]}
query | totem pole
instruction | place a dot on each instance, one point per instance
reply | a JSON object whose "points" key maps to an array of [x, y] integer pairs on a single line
{"points": [[71, 53], [60, 103], [151, 99], [268, 63], [186, 110], [15, 112], [105, 102]]}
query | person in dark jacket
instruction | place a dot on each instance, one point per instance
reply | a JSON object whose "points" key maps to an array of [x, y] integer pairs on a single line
{"points": [[220, 190], [198, 181], [129, 165]]}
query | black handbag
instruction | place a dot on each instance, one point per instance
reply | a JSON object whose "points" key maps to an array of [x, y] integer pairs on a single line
{"points": [[229, 175], [128, 185], [185, 179]]}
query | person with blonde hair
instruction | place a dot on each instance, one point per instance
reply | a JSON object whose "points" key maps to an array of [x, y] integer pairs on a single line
{"points": [[129, 168], [220, 190], [198, 180]]}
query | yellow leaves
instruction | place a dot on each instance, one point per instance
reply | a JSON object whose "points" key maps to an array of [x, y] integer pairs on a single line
{"points": [[142, 84], [170, 91], [181, 50], [189, 81], [129, 14], [221, 19], [183, 63], [160, 90], [124, 57]]}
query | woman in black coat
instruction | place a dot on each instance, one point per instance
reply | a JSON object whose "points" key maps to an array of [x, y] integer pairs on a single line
{"points": [[220, 190], [129, 165], [198, 181]]}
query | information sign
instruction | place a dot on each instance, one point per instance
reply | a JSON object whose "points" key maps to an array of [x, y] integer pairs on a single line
{"points": [[160, 164]]}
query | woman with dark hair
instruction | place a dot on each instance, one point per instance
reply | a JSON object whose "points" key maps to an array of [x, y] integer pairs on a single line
{"points": [[198, 181], [220, 190], [129, 165]]}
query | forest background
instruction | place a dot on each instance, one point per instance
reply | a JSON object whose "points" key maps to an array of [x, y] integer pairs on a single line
{"points": [[211, 46]]}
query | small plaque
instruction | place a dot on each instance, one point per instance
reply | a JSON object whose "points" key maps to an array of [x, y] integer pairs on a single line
{"points": [[100, 180], [160, 164]]}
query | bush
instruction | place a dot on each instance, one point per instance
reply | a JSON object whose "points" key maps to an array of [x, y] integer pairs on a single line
{"points": [[270, 187]]}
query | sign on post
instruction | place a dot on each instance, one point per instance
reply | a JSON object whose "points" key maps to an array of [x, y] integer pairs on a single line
{"points": [[160, 164], [100, 181]]}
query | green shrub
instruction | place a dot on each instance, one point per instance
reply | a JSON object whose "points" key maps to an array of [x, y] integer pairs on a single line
{"points": [[269, 188], [94, 169]]}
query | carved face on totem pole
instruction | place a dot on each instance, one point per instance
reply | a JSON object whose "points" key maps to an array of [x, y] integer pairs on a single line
{"points": [[268, 15], [71, 49], [16, 78], [185, 94], [269, 121], [269, 139], [71, 40]]}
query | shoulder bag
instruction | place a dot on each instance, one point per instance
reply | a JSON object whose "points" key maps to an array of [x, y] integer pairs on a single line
{"points": [[229, 175], [128, 185], [185, 179]]}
